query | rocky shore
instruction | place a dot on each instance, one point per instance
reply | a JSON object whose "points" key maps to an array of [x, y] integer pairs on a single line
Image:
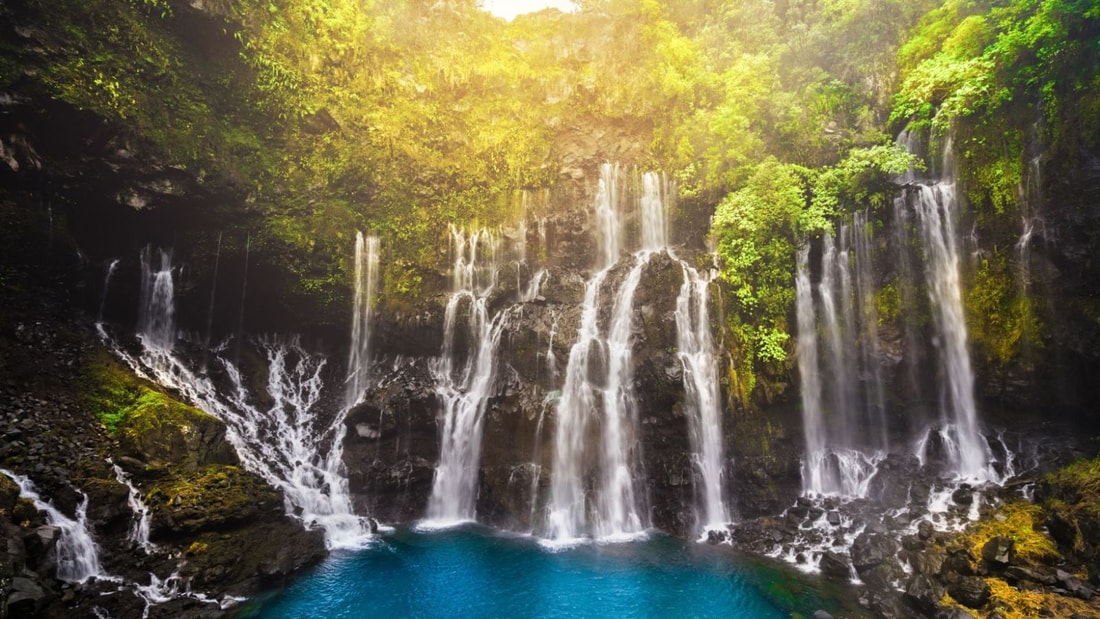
{"points": [[217, 533]]}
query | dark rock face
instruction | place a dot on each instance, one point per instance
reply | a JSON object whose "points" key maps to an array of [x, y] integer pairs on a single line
{"points": [[971, 591], [392, 442]]}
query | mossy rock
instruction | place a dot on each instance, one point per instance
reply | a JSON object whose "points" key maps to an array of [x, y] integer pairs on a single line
{"points": [[254, 557], [151, 426], [214, 498], [161, 431]]}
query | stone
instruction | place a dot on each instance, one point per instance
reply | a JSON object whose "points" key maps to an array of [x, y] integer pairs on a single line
{"points": [[999, 551], [821, 614], [1074, 586], [871, 549], [970, 591], [27, 597], [923, 592], [1017, 573], [925, 529], [963, 496], [833, 518], [835, 565]]}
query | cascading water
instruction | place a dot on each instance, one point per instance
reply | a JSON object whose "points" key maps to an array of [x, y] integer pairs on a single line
{"points": [[288, 443], [935, 206], [617, 504], [616, 510], [77, 553], [703, 406], [366, 284], [157, 309], [842, 389], [464, 386], [567, 513], [111, 267], [139, 527]]}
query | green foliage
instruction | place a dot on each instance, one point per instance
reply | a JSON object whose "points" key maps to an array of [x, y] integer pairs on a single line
{"points": [[980, 69], [863, 178], [759, 227]]}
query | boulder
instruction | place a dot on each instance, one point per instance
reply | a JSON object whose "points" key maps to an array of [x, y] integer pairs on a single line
{"points": [[871, 549], [27, 597], [924, 592], [835, 566], [971, 591], [999, 551]]}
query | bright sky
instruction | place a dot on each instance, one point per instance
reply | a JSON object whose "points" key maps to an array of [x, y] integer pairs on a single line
{"points": [[508, 9]]}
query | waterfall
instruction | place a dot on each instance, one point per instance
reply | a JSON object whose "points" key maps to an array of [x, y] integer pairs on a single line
{"points": [[567, 513], [618, 512], [464, 376], [285, 440], [935, 207], [813, 477], [77, 553], [609, 230], [703, 404], [609, 401], [651, 206], [157, 311], [139, 527], [551, 358], [366, 284], [534, 287], [1031, 217], [111, 267], [843, 399]]}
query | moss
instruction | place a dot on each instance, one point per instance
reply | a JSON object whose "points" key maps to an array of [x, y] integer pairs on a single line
{"points": [[109, 389], [124, 402], [1015, 521], [210, 498], [1014, 603], [1001, 320], [888, 303]]}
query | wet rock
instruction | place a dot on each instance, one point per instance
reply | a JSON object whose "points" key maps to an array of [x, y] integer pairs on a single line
{"points": [[958, 562], [963, 496], [833, 518], [1074, 586], [928, 562], [835, 566], [27, 597], [885, 604], [821, 614], [970, 591], [871, 549], [925, 529], [954, 613], [999, 551], [924, 592]]}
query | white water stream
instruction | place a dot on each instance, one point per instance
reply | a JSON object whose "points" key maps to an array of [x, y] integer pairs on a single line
{"points": [[286, 442], [464, 376], [77, 552], [362, 317]]}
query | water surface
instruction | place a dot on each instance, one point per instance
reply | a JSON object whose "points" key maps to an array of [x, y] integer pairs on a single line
{"points": [[473, 572]]}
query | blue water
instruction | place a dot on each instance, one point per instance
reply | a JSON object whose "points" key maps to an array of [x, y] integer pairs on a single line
{"points": [[473, 572]]}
